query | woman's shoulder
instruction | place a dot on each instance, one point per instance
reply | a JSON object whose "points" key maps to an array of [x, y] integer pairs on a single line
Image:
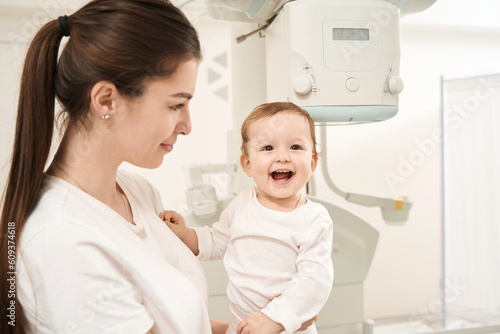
{"points": [[62, 211], [56, 219], [53, 198]]}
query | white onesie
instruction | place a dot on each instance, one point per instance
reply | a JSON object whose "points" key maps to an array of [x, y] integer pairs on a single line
{"points": [[277, 262]]}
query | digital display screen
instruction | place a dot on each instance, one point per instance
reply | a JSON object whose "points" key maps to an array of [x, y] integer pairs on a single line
{"points": [[351, 34]]}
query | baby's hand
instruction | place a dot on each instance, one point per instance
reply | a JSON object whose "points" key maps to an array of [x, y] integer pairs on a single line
{"points": [[172, 217], [259, 323], [175, 222]]}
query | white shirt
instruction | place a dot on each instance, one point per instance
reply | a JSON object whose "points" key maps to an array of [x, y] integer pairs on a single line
{"points": [[82, 268], [269, 253]]}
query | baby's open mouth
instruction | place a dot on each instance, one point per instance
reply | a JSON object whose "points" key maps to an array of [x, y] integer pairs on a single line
{"points": [[281, 175]]}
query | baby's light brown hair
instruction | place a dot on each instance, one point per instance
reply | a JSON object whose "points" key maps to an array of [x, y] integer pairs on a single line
{"points": [[267, 110]]}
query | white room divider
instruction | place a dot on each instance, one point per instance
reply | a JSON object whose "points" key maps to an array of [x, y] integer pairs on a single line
{"points": [[471, 173]]}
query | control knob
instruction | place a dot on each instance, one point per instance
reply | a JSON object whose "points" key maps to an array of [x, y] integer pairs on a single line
{"points": [[302, 85], [396, 85]]}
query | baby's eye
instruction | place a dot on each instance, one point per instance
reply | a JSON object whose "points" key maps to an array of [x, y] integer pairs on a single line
{"points": [[177, 107], [295, 147], [267, 148]]}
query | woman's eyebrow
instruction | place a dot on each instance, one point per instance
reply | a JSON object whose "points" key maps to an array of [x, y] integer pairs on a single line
{"points": [[183, 94]]}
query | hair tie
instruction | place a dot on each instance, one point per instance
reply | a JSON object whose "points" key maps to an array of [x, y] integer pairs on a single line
{"points": [[63, 25]]}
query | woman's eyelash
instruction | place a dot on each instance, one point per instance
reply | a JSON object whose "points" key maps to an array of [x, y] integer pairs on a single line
{"points": [[177, 107]]}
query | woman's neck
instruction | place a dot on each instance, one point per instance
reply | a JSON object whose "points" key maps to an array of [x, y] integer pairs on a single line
{"points": [[87, 165]]}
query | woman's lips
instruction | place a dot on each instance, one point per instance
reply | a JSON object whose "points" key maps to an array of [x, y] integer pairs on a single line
{"points": [[167, 147]]}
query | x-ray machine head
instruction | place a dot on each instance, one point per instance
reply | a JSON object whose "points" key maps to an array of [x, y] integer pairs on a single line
{"points": [[338, 59]]}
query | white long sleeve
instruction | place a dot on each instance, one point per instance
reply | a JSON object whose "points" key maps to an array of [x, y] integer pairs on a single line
{"points": [[308, 290], [213, 240]]}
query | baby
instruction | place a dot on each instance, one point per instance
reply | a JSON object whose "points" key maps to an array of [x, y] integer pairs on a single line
{"points": [[276, 244]]}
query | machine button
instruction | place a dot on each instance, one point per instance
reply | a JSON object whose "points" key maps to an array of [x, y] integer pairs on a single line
{"points": [[396, 85], [302, 85], [352, 84]]}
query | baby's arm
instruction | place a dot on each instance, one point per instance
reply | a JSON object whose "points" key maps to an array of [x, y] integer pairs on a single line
{"points": [[177, 224], [309, 288]]}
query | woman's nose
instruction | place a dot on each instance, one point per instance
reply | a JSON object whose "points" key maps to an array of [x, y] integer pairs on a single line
{"points": [[184, 125]]}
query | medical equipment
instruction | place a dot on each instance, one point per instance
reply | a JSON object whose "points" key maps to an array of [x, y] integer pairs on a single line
{"points": [[202, 197], [395, 210], [338, 59]]}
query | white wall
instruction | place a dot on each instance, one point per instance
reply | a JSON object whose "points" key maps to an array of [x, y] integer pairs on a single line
{"points": [[9, 83], [405, 277]]}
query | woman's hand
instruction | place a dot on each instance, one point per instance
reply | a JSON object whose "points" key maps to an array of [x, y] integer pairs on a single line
{"points": [[258, 323], [308, 323], [218, 326]]}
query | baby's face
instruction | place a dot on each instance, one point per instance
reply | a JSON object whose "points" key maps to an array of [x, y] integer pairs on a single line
{"points": [[280, 154]]}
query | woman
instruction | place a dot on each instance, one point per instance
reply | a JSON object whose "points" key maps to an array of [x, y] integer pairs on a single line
{"points": [[85, 248]]}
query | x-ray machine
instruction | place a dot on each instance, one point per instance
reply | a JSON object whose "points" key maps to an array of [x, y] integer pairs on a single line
{"points": [[339, 60]]}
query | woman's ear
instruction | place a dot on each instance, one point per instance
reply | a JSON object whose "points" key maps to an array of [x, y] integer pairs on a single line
{"points": [[103, 98], [245, 164]]}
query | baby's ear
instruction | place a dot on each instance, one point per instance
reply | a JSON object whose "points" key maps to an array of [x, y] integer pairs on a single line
{"points": [[314, 162], [245, 165]]}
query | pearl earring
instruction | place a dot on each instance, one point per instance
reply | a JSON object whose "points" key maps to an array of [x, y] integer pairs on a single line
{"points": [[105, 116]]}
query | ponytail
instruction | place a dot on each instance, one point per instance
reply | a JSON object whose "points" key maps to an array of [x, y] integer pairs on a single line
{"points": [[34, 129]]}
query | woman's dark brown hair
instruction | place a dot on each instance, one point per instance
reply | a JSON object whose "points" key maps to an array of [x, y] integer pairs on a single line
{"points": [[125, 42]]}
